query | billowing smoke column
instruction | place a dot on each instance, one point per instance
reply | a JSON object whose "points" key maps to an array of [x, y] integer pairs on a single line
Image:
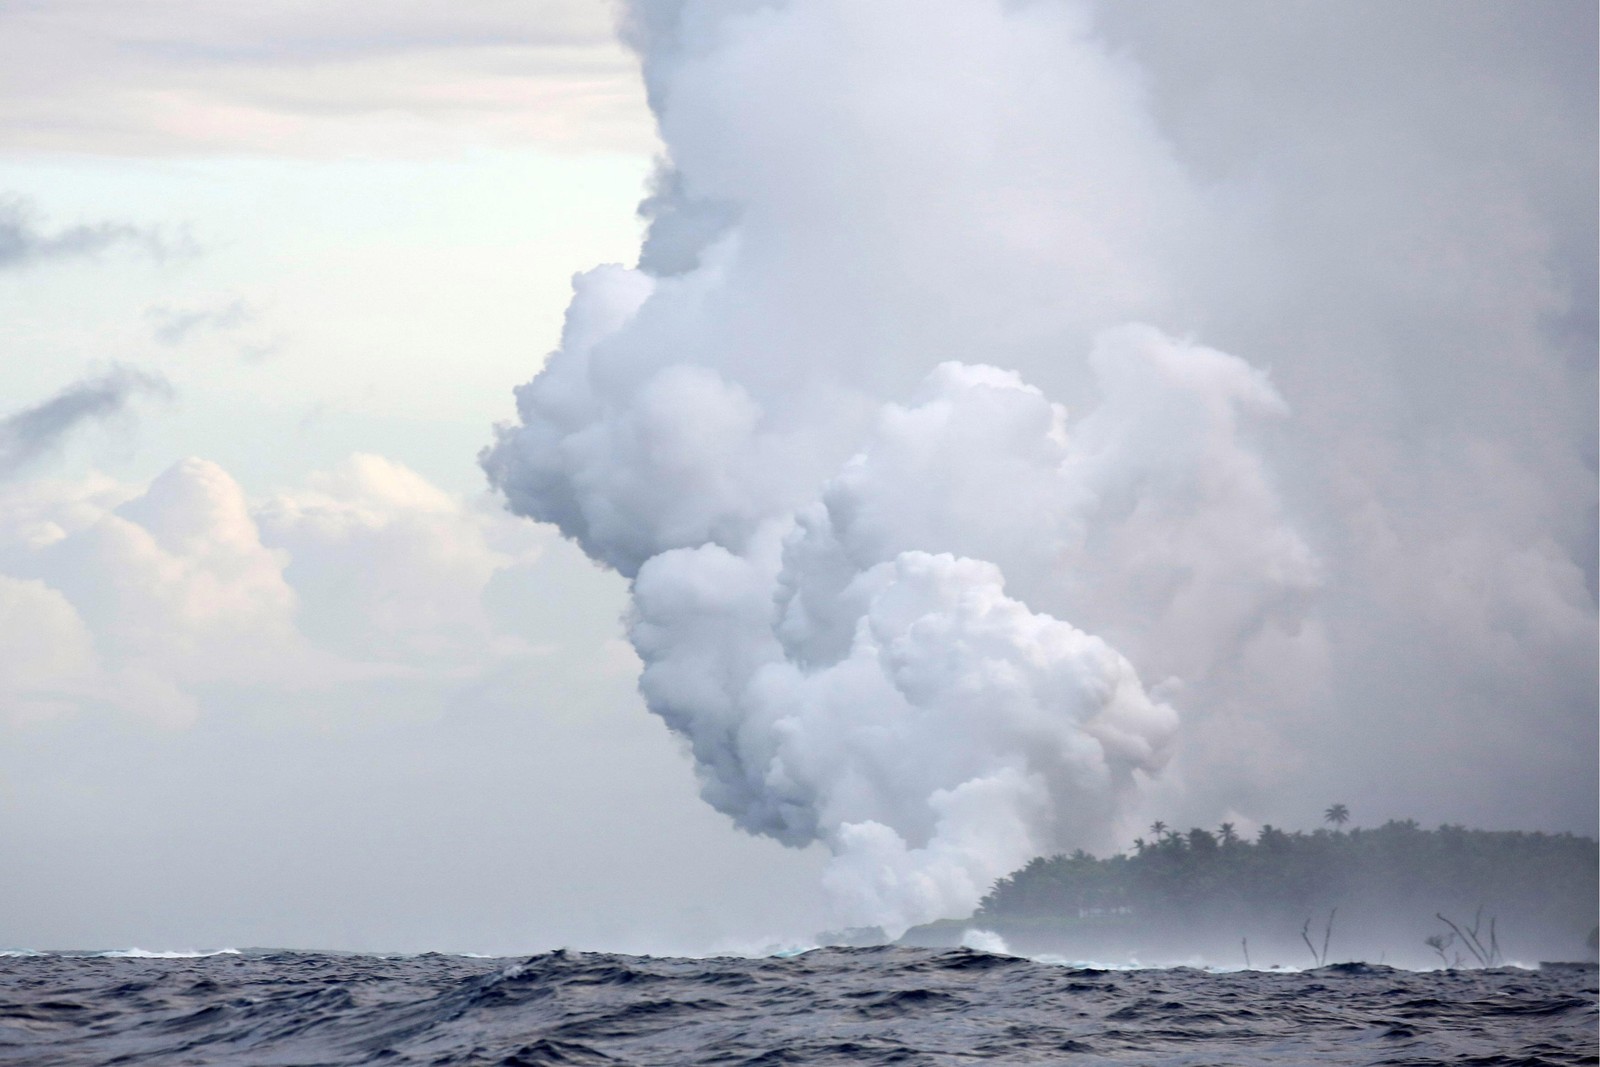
{"points": [[939, 515], [858, 539]]}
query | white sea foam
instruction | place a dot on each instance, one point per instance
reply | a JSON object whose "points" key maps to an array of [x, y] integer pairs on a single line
{"points": [[985, 941], [169, 954], [1096, 965], [790, 953]]}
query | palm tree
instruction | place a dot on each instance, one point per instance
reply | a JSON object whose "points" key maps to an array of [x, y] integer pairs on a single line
{"points": [[1158, 828], [1337, 814], [1138, 846], [1226, 832]]}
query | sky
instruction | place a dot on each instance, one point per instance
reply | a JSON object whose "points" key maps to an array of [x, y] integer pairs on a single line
{"points": [[944, 433]]}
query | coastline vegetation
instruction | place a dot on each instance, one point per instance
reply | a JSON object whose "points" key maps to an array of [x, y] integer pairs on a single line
{"points": [[1449, 894]]}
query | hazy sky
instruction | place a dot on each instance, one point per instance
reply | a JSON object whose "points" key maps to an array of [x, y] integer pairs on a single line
{"points": [[277, 669]]}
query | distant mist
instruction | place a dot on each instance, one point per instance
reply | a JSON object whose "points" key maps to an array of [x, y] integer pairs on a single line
{"points": [[1026, 417], [1395, 893]]}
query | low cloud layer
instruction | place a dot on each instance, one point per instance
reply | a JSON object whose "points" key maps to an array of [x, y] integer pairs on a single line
{"points": [[939, 561]]}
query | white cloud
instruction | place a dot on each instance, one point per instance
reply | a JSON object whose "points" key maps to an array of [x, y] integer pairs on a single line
{"points": [[389, 568], [150, 599], [176, 590], [49, 652]]}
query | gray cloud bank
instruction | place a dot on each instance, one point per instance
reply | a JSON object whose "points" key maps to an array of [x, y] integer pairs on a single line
{"points": [[1026, 419], [34, 433], [314, 79]]}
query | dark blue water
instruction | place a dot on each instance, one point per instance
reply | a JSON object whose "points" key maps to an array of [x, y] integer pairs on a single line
{"points": [[831, 1006]]}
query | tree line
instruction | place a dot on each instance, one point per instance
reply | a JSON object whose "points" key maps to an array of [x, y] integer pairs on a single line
{"points": [[1526, 880]]}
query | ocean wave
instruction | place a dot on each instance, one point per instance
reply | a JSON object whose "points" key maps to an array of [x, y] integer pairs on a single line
{"points": [[832, 1006]]}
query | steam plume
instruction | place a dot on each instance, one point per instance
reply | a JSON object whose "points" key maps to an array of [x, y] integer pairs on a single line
{"points": [[894, 595]]}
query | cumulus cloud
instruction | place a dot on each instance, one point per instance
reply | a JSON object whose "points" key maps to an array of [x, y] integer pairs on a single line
{"points": [[173, 586], [939, 561], [152, 600], [34, 433], [386, 566]]}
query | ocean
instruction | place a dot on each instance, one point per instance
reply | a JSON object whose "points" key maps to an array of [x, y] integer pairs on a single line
{"points": [[889, 1005]]}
